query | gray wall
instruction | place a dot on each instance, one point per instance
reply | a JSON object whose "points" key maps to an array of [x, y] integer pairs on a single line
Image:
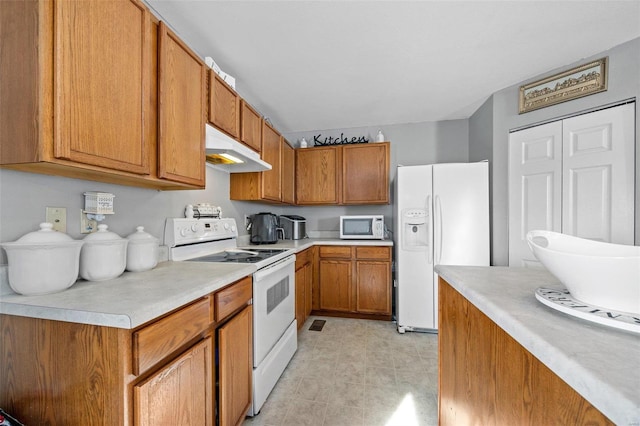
{"points": [[411, 144], [24, 196], [623, 83], [481, 144]]}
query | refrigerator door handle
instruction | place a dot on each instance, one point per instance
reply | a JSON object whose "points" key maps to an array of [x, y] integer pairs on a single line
{"points": [[429, 208], [438, 226]]}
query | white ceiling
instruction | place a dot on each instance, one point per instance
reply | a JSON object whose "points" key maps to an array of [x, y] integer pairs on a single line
{"points": [[312, 65]]}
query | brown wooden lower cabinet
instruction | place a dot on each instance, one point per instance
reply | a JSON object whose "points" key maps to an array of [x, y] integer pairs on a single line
{"points": [[56, 372], [235, 348], [304, 283], [488, 378], [180, 393], [354, 281]]}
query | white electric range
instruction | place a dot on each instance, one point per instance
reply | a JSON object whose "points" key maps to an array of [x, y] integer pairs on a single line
{"points": [[212, 239]]}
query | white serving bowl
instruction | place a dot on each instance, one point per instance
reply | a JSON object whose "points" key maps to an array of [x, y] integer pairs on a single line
{"points": [[142, 252], [43, 262], [103, 256], [601, 274]]}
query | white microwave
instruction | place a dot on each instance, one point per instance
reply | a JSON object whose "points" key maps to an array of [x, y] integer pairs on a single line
{"points": [[362, 227]]}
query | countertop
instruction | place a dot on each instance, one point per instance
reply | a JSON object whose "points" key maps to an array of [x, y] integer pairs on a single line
{"points": [[132, 299], [601, 363], [135, 298]]}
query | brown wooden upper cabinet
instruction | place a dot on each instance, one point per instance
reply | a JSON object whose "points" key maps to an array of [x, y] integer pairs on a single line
{"points": [[224, 106], [79, 89], [181, 81], [288, 173], [318, 175], [250, 127], [346, 174], [365, 174], [275, 186], [272, 154]]}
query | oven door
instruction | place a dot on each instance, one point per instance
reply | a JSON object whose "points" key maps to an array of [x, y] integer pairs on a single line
{"points": [[273, 305]]}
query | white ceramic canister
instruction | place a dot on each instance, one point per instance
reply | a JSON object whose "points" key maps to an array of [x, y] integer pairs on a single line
{"points": [[103, 256], [142, 252], [42, 262]]}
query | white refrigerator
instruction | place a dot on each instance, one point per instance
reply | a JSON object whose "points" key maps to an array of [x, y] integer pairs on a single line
{"points": [[441, 217]]}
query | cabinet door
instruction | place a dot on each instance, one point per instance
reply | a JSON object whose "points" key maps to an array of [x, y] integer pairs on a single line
{"points": [[335, 285], [365, 174], [535, 187], [300, 296], [180, 393], [373, 287], [271, 153], [317, 175], [100, 111], [224, 106], [235, 349], [598, 174], [288, 173], [251, 127], [308, 289], [181, 111]]}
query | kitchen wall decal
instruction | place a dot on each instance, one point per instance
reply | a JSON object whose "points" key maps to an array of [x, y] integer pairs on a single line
{"points": [[337, 140], [575, 83]]}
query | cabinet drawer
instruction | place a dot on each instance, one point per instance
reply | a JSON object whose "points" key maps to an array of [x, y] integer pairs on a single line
{"points": [[341, 252], [368, 252], [157, 340], [303, 258], [229, 299]]}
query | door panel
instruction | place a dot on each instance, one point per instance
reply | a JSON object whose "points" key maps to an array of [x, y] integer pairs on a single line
{"points": [[598, 175], [100, 93], [535, 187]]}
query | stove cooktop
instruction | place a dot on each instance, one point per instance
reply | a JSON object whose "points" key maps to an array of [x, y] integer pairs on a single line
{"points": [[240, 256]]}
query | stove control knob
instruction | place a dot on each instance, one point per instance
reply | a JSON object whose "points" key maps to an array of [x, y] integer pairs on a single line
{"points": [[183, 232], [226, 226], [233, 228], [194, 228]]}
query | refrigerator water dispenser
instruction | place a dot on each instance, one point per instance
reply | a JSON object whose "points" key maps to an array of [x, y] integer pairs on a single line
{"points": [[415, 229]]}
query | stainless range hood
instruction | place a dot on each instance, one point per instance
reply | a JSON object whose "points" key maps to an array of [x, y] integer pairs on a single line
{"points": [[226, 154]]}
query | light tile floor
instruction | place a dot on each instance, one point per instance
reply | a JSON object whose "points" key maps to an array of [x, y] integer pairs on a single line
{"points": [[356, 372]]}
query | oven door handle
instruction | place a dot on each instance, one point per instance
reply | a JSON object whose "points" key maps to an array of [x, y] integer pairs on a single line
{"points": [[274, 267]]}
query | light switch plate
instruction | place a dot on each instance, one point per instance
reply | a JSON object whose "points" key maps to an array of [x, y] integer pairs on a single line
{"points": [[58, 217]]}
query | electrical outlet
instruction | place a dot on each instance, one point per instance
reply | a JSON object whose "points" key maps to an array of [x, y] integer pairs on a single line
{"points": [[58, 217], [87, 225], [247, 221]]}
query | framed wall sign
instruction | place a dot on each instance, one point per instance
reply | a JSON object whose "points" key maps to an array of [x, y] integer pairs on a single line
{"points": [[575, 83]]}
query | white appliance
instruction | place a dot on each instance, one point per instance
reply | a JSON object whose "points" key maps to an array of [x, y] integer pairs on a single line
{"points": [[229, 155], [441, 217], [214, 239], [362, 227]]}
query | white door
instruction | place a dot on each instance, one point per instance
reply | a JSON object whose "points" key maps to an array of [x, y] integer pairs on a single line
{"points": [[598, 173], [535, 187], [574, 176], [461, 216]]}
